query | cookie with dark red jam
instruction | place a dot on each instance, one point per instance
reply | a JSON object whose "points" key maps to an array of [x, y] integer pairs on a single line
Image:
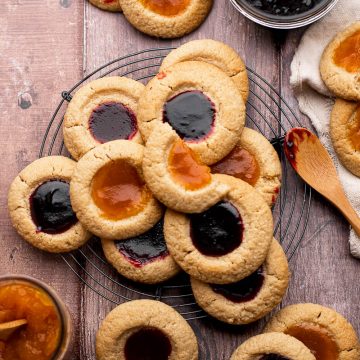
{"points": [[272, 346], [101, 111], [109, 5], [40, 207], [145, 330], [166, 18], [255, 161], [213, 245], [144, 258], [200, 102], [250, 298], [327, 334]]}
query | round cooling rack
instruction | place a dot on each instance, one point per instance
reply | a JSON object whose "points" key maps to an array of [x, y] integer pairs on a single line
{"points": [[267, 112]]}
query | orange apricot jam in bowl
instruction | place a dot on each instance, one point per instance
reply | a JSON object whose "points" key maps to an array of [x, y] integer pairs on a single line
{"points": [[46, 335]]}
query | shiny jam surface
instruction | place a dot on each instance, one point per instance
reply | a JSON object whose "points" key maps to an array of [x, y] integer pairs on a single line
{"points": [[191, 114], [146, 247], [317, 340], [241, 164], [118, 191], [40, 337], [148, 343], [166, 7], [186, 168], [217, 231], [112, 121], [354, 130], [274, 357], [347, 55], [243, 290], [50, 207]]}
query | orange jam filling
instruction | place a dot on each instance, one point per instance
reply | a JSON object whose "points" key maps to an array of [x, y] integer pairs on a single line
{"points": [[347, 55], [118, 191], [354, 130], [317, 339], [40, 337], [186, 168], [166, 7], [241, 164]]}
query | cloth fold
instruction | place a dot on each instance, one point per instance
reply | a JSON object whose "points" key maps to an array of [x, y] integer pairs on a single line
{"points": [[314, 98]]}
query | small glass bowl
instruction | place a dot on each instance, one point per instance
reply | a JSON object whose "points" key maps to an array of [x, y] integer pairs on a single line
{"points": [[284, 22], [65, 345]]}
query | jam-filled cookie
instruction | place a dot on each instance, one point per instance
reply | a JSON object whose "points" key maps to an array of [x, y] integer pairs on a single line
{"points": [[228, 241], [340, 64], [255, 161], [166, 18], [176, 175], [109, 5], [215, 53], [251, 298], [40, 208], [327, 334], [272, 346], [200, 102], [345, 133], [109, 194], [101, 111], [143, 258], [145, 330]]}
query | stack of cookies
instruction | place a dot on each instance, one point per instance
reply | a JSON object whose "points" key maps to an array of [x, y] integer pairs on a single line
{"points": [[169, 179]]}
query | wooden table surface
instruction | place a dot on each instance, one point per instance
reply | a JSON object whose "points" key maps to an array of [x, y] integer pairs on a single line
{"points": [[45, 47]]}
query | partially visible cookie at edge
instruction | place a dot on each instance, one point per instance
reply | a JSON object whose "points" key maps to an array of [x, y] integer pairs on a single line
{"points": [[109, 5]]}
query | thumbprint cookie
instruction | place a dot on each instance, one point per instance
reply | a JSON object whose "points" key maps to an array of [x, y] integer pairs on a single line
{"points": [[109, 5]]}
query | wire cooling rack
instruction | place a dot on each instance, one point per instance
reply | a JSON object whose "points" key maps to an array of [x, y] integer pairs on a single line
{"points": [[267, 112]]}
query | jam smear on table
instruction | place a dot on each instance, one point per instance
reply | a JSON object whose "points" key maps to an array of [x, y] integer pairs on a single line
{"points": [[317, 339], [112, 121], [37, 340], [145, 248], [148, 343], [166, 7], [274, 357], [218, 230], [243, 290], [191, 114], [284, 7], [186, 168], [241, 164], [50, 207], [118, 190], [347, 53], [354, 130]]}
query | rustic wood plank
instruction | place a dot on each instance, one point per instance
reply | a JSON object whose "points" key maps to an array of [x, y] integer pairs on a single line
{"points": [[41, 54]]}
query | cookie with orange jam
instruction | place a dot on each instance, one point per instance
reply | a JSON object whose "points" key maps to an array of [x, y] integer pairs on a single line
{"points": [[166, 18], [40, 208], [200, 102], [101, 111], [327, 334], [109, 194], [340, 64], [228, 241], [345, 133], [251, 298], [255, 161], [109, 5]]}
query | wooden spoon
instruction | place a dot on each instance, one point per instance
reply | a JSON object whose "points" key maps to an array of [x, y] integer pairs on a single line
{"points": [[7, 329], [312, 162]]}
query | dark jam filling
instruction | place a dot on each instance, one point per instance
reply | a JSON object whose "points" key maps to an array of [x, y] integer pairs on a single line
{"points": [[51, 209], [148, 344], [112, 121], [144, 248], [191, 114], [284, 7], [274, 357], [217, 231], [243, 290]]}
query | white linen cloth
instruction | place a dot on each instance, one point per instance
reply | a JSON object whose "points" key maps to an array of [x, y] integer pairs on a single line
{"points": [[314, 98]]}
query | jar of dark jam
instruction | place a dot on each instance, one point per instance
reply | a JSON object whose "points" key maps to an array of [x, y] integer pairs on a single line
{"points": [[284, 14]]}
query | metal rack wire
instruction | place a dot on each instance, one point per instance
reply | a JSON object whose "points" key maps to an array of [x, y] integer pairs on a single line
{"points": [[267, 112]]}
